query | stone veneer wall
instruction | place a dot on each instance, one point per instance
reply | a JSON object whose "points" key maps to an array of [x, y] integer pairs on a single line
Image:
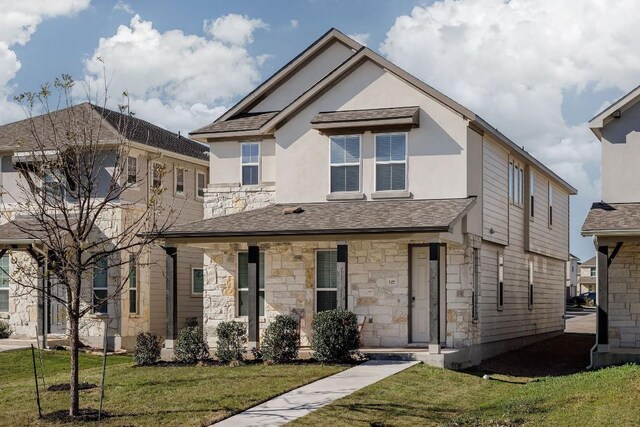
{"points": [[229, 199], [23, 302], [624, 298], [373, 264]]}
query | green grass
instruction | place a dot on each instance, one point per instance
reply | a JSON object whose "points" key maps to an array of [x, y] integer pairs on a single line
{"points": [[429, 396], [138, 396]]}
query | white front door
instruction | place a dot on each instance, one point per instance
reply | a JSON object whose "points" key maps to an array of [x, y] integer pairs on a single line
{"points": [[419, 294]]}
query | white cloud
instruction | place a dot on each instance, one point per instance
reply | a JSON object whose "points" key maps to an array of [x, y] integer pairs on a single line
{"points": [[174, 79], [513, 61], [362, 38], [122, 6], [294, 23], [18, 21]]}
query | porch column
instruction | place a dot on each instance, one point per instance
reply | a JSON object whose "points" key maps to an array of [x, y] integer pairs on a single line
{"points": [[172, 295], [42, 297], [341, 279], [602, 325], [253, 299], [434, 298]]}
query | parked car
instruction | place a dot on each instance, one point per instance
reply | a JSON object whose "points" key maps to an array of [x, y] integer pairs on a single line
{"points": [[589, 297]]}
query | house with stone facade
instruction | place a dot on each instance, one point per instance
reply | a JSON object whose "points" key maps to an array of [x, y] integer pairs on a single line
{"points": [[587, 276], [156, 157], [614, 223], [345, 182]]}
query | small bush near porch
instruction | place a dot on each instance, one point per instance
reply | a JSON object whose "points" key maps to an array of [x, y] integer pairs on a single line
{"points": [[152, 395]]}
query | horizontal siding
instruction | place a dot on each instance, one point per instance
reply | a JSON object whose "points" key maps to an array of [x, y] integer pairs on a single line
{"points": [[495, 193], [551, 241]]}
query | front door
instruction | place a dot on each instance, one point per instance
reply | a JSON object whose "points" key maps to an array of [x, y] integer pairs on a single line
{"points": [[57, 311], [420, 294]]}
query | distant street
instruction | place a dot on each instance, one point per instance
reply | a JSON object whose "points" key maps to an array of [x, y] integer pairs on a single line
{"points": [[581, 322]]}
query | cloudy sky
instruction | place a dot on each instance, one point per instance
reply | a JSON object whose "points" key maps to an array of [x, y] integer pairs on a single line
{"points": [[536, 69]]}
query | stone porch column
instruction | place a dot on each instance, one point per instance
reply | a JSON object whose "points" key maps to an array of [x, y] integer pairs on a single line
{"points": [[434, 298]]}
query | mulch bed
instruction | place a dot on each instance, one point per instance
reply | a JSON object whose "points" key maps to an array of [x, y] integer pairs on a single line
{"points": [[67, 387], [562, 355]]}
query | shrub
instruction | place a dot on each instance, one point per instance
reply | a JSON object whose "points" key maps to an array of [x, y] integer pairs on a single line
{"points": [[5, 329], [191, 346], [232, 336], [335, 336], [281, 340], [147, 350]]}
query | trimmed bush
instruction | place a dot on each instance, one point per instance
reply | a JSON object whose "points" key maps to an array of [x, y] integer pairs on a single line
{"points": [[232, 337], [281, 340], [335, 336], [147, 350], [191, 346], [5, 329]]}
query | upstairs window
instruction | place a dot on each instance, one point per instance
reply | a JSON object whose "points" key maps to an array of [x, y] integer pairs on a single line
{"points": [[592, 271], [550, 204], [532, 192], [250, 163], [345, 164], [4, 284], [53, 186], [157, 171], [201, 184], [243, 284], [179, 180], [132, 170], [391, 162], [516, 176]]}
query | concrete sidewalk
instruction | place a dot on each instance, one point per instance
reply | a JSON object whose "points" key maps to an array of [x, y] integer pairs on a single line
{"points": [[301, 401], [7, 344]]}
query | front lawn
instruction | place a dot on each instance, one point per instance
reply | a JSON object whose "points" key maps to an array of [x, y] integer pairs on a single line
{"points": [[429, 396], [163, 395]]}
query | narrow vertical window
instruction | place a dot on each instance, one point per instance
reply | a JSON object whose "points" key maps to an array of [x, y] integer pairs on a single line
{"points": [[345, 163], [530, 285], [179, 180], [132, 170], [250, 163], [532, 192], [391, 162], [500, 282], [100, 284], [157, 171], [475, 277], [4, 284], [511, 182], [326, 280], [243, 284], [201, 184], [133, 285], [53, 183], [550, 204], [197, 280]]}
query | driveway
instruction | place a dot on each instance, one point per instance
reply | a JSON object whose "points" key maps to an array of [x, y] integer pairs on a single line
{"points": [[581, 322]]}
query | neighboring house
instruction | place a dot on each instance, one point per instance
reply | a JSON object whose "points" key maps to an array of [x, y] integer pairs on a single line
{"points": [[615, 224], [168, 160], [587, 276], [344, 182], [572, 275]]}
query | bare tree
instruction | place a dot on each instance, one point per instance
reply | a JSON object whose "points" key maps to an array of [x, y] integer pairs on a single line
{"points": [[69, 200]]}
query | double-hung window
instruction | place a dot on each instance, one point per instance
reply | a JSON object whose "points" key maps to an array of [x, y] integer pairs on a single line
{"points": [[133, 285], [157, 171], [179, 180], [132, 170], [516, 178], [197, 281], [326, 280], [345, 164], [250, 163], [201, 183], [4, 284], [391, 162], [100, 283], [243, 284]]}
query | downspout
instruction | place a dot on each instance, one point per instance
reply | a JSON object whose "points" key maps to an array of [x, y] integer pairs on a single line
{"points": [[595, 345]]}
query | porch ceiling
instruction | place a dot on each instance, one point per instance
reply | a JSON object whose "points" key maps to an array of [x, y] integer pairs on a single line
{"points": [[330, 218]]}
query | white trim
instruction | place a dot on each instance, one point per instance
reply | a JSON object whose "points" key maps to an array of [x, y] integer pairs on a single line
{"points": [[391, 162], [8, 278], [136, 289], [315, 279], [177, 193], [193, 292], [200, 172], [359, 164], [242, 164]]}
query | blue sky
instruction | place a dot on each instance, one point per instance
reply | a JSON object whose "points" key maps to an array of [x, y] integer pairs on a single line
{"points": [[536, 69]]}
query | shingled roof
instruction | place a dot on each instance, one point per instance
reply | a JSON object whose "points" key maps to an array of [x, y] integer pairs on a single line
{"points": [[239, 123], [612, 218], [19, 135], [352, 217], [365, 115]]}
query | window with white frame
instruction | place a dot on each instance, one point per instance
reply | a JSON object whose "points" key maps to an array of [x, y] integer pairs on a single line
{"points": [[326, 280], [157, 172], [516, 178], [500, 293], [133, 285], [243, 284], [532, 193], [250, 163], [179, 184], [132, 170], [550, 204], [4, 284], [100, 284], [475, 277], [345, 164], [592, 271], [53, 183], [201, 184], [530, 300], [391, 162], [197, 280]]}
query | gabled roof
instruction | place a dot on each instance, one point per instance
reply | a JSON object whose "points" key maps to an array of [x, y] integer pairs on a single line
{"points": [[347, 67], [18, 136], [362, 217], [612, 219], [365, 115], [620, 105], [591, 262], [241, 122]]}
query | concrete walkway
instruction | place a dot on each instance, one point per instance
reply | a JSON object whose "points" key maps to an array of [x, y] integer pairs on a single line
{"points": [[301, 401], [581, 322], [7, 344]]}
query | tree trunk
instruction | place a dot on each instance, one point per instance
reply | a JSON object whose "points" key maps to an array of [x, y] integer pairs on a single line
{"points": [[74, 409]]}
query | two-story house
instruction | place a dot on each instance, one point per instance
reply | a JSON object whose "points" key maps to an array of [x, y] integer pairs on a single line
{"points": [[614, 222], [156, 157], [587, 276], [344, 182]]}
